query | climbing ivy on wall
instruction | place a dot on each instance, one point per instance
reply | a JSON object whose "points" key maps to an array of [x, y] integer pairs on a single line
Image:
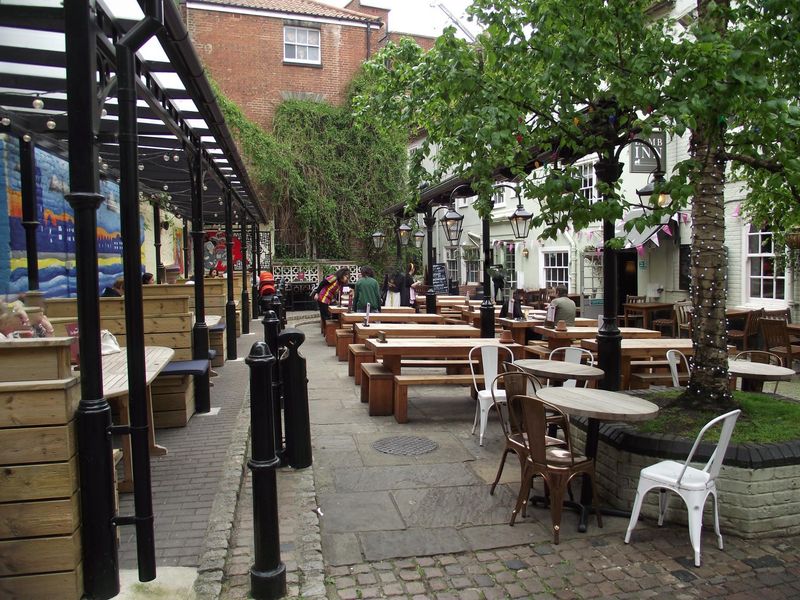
{"points": [[323, 174]]}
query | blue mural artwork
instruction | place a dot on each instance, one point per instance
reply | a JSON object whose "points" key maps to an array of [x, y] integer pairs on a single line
{"points": [[55, 234]]}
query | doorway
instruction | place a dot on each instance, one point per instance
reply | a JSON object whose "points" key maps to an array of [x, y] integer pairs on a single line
{"points": [[627, 275]]}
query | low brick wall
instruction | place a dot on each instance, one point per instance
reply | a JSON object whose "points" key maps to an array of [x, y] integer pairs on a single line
{"points": [[758, 487]]}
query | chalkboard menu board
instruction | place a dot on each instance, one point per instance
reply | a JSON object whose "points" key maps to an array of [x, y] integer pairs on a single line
{"points": [[440, 278]]}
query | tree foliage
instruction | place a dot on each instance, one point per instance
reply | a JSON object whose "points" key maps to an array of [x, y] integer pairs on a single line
{"points": [[325, 178], [551, 81]]}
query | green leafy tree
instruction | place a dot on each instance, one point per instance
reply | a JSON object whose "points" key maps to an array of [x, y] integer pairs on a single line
{"points": [[327, 180], [551, 81]]}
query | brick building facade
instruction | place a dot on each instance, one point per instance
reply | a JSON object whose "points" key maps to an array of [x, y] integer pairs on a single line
{"points": [[262, 52]]}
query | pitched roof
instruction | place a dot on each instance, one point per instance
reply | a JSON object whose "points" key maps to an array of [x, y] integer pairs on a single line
{"points": [[311, 8]]}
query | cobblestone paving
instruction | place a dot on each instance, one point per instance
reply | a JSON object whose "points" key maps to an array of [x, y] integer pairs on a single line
{"points": [[655, 565]]}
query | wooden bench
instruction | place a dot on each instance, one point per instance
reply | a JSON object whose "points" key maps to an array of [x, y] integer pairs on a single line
{"points": [[376, 388], [645, 380], [356, 355], [344, 337], [331, 326], [401, 383]]}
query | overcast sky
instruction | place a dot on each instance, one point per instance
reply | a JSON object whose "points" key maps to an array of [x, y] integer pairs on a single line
{"points": [[418, 16]]}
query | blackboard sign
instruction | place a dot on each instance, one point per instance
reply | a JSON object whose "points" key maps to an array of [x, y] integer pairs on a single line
{"points": [[440, 278]]}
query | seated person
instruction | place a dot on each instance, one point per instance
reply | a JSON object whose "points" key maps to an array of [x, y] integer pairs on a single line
{"points": [[116, 290], [147, 279], [565, 307], [516, 311]]}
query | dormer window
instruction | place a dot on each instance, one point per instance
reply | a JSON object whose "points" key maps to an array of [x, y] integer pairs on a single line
{"points": [[301, 45]]}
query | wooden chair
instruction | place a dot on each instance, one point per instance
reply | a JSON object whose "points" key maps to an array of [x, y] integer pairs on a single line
{"points": [[776, 340], [557, 465], [750, 329], [683, 317], [662, 323], [639, 317]]}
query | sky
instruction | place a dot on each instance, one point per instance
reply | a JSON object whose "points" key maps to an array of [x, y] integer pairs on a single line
{"points": [[418, 16]]}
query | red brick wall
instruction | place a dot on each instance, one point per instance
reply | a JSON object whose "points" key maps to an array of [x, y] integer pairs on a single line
{"points": [[425, 42], [244, 55]]}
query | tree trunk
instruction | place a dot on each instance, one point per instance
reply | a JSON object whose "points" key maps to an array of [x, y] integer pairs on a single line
{"points": [[708, 383]]}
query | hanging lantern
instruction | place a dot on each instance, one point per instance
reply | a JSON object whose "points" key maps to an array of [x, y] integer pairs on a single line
{"points": [[377, 239], [404, 234]]}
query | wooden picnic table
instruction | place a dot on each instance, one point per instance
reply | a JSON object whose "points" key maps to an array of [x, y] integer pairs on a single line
{"points": [[412, 330], [338, 310], [115, 386], [645, 310], [382, 317], [557, 339], [642, 349], [394, 350], [518, 327]]}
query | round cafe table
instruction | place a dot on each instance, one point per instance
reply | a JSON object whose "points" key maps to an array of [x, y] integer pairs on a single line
{"points": [[559, 370], [754, 374], [596, 405]]}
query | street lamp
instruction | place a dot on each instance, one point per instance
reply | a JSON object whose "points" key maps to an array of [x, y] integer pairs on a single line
{"points": [[520, 219], [419, 237], [451, 223], [377, 239], [404, 234], [609, 341], [650, 188]]}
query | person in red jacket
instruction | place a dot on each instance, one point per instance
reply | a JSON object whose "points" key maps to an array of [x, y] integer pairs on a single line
{"points": [[328, 291]]}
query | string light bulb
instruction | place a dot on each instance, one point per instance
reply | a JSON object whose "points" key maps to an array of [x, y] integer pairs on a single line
{"points": [[175, 158], [38, 103], [51, 124], [166, 187], [26, 138], [166, 158], [141, 167], [103, 112], [5, 121]]}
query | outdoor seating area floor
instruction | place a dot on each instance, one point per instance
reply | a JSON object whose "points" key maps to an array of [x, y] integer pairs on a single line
{"points": [[364, 524]]}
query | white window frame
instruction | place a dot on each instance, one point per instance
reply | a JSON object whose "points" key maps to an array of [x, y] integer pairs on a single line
{"points": [[510, 268], [499, 198], [588, 188], [544, 268], [296, 44], [453, 263], [765, 253], [467, 255]]}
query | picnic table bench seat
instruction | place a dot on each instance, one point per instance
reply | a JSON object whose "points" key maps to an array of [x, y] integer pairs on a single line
{"points": [[218, 342], [402, 382]]}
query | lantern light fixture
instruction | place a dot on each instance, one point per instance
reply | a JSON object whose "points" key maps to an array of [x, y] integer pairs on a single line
{"points": [[378, 238], [404, 234]]}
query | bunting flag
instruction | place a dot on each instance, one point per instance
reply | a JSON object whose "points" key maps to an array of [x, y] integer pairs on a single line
{"points": [[666, 229], [737, 210], [640, 251], [654, 239], [685, 218]]}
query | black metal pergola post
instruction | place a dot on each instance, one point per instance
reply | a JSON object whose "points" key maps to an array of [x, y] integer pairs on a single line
{"points": [[230, 305], [245, 302], [487, 307], [256, 268], [157, 240], [202, 391], [27, 168], [138, 429], [93, 415], [430, 296], [185, 248]]}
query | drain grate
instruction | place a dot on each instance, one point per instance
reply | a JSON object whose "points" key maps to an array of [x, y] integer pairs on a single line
{"points": [[405, 445]]}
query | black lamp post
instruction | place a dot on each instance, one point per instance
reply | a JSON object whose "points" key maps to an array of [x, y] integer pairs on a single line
{"points": [[452, 222], [608, 170]]}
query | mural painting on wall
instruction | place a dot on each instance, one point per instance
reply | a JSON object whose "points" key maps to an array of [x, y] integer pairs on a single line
{"points": [[214, 251], [55, 234], [177, 248]]}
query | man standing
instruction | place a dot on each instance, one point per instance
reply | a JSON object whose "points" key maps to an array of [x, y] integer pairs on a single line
{"points": [[367, 291]]}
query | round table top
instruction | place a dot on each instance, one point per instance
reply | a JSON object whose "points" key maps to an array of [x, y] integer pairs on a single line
{"points": [[599, 404], [756, 370], [559, 369]]}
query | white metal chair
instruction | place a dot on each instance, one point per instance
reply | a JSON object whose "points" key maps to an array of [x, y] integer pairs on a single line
{"points": [[691, 484], [490, 359], [676, 360], [575, 355]]}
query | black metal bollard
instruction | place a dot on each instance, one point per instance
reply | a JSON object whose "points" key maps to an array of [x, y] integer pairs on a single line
{"points": [[295, 400], [268, 573], [271, 329], [277, 306]]}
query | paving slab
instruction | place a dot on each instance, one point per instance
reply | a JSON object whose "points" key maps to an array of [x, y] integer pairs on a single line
{"points": [[360, 511], [341, 549], [489, 537], [454, 506], [402, 477], [383, 545]]}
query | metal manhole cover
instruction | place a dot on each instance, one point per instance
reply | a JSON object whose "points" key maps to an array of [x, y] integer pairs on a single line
{"points": [[405, 445]]}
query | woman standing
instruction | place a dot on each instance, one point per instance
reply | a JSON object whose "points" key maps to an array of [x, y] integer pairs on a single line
{"points": [[328, 290]]}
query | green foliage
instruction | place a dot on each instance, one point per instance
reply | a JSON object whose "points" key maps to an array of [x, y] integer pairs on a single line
{"points": [[765, 418], [333, 177]]}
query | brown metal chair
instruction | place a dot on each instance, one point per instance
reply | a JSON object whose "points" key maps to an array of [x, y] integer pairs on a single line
{"points": [[776, 340], [750, 329], [517, 382], [557, 465]]}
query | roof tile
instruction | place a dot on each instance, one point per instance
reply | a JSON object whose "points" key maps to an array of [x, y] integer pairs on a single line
{"points": [[298, 7]]}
